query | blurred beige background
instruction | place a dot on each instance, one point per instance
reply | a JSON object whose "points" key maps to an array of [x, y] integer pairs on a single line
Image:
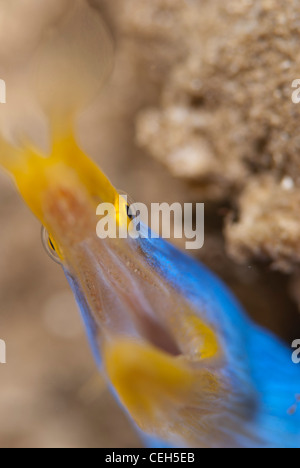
{"points": [[50, 393]]}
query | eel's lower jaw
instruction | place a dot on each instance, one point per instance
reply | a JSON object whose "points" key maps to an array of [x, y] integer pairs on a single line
{"points": [[171, 398], [150, 383]]}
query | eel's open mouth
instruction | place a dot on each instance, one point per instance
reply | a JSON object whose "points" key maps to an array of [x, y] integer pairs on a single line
{"points": [[158, 336]]}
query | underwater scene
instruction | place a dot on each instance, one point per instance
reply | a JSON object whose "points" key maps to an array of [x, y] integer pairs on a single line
{"points": [[149, 224]]}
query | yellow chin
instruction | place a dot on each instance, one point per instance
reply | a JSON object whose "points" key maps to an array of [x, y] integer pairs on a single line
{"points": [[147, 380]]}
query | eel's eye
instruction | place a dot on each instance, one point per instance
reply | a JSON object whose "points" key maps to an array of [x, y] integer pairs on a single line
{"points": [[49, 246], [130, 214], [130, 211]]}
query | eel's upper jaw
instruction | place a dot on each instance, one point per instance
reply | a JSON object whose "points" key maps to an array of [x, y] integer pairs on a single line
{"points": [[62, 189]]}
